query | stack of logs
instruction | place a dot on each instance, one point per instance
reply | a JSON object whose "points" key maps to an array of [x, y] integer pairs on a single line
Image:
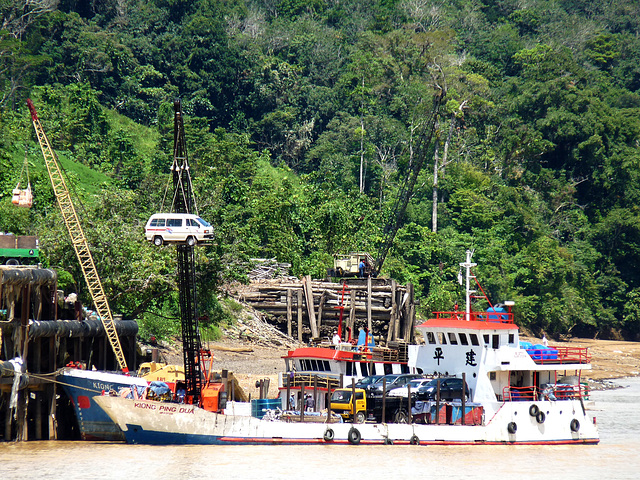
{"points": [[312, 308]]}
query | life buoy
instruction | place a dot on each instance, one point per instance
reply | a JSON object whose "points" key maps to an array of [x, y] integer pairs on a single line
{"points": [[414, 440], [574, 425], [328, 435], [512, 427], [540, 417], [534, 410], [354, 436]]}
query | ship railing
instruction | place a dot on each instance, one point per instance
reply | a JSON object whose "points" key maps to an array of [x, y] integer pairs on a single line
{"points": [[309, 380], [548, 391], [498, 317], [559, 355]]}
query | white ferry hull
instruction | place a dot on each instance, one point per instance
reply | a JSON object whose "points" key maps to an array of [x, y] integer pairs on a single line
{"points": [[149, 422]]}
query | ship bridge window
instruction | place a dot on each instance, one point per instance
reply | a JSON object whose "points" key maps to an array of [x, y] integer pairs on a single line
{"points": [[388, 369], [327, 367], [463, 340], [474, 340], [512, 338], [496, 341], [442, 340], [453, 340], [431, 338], [364, 369], [350, 369], [486, 339]]}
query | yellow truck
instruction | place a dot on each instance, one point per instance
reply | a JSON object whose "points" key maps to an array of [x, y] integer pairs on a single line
{"points": [[396, 409], [342, 404]]}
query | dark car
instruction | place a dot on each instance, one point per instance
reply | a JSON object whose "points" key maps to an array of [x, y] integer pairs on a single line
{"points": [[367, 383], [393, 381], [450, 389]]}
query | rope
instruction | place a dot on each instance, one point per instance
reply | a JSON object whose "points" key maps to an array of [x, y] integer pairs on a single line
{"points": [[47, 378]]}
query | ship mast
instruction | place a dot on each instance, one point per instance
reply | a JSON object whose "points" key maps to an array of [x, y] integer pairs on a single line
{"points": [[468, 265]]}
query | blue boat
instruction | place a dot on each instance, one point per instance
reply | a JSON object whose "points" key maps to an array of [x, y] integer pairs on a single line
{"points": [[82, 385]]}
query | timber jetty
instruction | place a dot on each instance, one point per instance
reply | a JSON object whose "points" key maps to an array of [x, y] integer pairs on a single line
{"points": [[312, 309], [41, 331]]}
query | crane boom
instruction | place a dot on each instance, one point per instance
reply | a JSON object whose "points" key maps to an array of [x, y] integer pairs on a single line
{"points": [[406, 191], [78, 239]]}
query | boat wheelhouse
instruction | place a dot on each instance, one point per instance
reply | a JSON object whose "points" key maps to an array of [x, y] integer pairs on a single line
{"points": [[315, 370]]}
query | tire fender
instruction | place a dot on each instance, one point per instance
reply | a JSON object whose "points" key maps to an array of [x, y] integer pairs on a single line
{"points": [[534, 410], [354, 436], [540, 417], [328, 435], [574, 425], [512, 427], [414, 440]]}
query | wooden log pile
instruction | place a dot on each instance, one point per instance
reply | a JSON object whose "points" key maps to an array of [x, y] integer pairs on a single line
{"points": [[267, 268], [311, 309]]}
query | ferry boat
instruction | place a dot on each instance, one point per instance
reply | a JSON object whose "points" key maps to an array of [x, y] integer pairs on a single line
{"points": [[518, 393], [82, 386]]}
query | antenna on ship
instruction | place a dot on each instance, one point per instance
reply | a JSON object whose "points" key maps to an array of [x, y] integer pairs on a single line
{"points": [[468, 265]]}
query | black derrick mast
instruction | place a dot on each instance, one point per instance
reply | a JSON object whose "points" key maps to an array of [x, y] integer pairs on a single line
{"points": [[183, 203], [406, 191]]}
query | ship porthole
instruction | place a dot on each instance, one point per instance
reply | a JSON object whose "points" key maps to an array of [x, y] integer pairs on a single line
{"points": [[534, 410], [540, 417], [328, 435], [512, 427], [354, 436], [414, 440], [575, 425]]}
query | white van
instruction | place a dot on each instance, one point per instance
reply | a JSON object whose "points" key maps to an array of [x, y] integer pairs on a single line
{"points": [[177, 228]]}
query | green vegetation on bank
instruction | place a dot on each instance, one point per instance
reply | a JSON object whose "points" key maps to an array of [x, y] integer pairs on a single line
{"points": [[302, 120]]}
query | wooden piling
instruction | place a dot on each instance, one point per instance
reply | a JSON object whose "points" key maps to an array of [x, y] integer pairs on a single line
{"points": [[300, 315], [289, 295]]}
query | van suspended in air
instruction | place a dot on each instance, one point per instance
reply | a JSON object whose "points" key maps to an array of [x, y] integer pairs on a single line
{"points": [[177, 228]]}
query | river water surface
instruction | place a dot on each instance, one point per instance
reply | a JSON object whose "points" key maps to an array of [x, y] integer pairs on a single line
{"points": [[616, 457]]}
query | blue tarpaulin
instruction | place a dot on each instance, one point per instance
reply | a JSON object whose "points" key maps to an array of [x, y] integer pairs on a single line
{"points": [[362, 339]]}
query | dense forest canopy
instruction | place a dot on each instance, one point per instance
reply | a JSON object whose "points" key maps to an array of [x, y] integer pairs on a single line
{"points": [[303, 119]]}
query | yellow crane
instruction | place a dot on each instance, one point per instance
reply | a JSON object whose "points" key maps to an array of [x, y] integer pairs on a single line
{"points": [[78, 239]]}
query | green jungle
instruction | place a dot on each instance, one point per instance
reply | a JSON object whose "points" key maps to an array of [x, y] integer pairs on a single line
{"points": [[303, 119]]}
